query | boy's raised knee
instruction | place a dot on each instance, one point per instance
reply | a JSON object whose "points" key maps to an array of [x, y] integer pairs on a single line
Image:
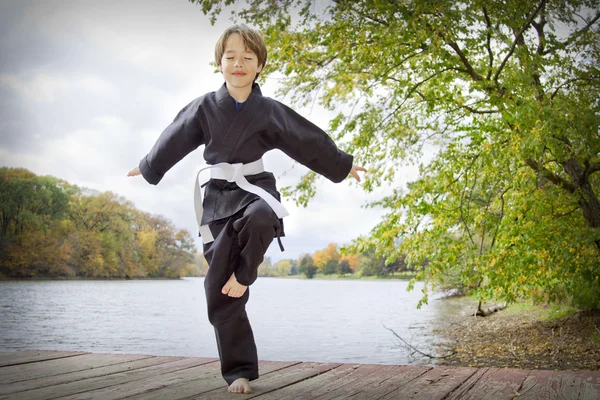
{"points": [[259, 217]]}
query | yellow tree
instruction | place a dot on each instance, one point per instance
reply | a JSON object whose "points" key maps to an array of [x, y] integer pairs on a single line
{"points": [[283, 267]]}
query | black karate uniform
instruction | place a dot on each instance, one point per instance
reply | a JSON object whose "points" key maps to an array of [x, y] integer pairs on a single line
{"points": [[242, 223]]}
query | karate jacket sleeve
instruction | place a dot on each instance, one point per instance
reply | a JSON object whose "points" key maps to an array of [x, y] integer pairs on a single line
{"points": [[180, 138], [308, 144]]}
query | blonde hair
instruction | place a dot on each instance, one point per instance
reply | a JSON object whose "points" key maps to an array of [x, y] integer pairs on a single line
{"points": [[252, 39]]}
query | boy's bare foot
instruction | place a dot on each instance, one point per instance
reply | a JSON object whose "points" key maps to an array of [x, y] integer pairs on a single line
{"points": [[240, 385], [233, 288]]}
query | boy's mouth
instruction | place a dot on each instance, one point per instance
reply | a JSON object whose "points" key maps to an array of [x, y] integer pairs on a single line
{"points": [[239, 74]]}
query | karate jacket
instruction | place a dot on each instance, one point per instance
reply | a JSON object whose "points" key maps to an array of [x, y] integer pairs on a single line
{"points": [[243, 136]]}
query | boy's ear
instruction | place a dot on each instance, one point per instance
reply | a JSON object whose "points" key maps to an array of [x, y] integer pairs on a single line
{"points": [[259, 69]]}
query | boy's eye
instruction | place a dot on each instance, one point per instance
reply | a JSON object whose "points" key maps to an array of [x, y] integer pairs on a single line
{"points": [[229, 58], [248, 58]]}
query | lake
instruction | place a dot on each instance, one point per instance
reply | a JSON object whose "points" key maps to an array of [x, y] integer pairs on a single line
{"points": [[293, 319]]}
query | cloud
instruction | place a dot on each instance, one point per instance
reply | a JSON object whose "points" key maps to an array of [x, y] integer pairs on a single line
{"points": [[86, 88], [44, 88]]}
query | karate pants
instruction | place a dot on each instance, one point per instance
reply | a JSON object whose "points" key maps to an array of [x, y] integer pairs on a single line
{"points": [[239, 246]]}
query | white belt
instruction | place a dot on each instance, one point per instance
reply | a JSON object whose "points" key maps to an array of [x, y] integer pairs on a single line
{"points": [[234, 173]]}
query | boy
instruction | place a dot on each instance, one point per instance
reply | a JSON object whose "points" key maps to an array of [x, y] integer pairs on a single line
{"points": [[240, 213]]}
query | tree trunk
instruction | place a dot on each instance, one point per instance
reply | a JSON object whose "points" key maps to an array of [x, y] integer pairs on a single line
{"points": [[587, 199], [489, 311]]}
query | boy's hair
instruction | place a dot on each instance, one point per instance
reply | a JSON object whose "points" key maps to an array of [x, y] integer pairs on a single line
{"points": [[252, 39]]}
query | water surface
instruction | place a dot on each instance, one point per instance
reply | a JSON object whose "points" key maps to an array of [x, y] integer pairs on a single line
{"points": [[292, 319]]}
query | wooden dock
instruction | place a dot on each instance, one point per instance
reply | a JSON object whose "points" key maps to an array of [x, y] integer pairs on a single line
{"points": [[45, 375]]}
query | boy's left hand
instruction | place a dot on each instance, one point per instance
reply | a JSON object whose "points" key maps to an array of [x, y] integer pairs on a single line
{"points": [[354, 171], [134, 172]]}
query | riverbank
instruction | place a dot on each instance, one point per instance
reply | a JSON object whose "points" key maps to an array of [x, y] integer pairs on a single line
{"points": [[522, 336], [87, 278], [354, 276]]}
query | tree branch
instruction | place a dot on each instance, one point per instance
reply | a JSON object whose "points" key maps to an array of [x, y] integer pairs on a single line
{"points": [[410, 346], [590, 79], [465, 61], [539, 28], [499, 219], [590, 169], [410, 92], [362, 14], [517, 38], [475, 111], [557, 180], [488, 43], [580, 32]]}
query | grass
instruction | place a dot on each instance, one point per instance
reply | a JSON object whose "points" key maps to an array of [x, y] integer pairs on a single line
{"points": [[559, 311], [356, 275], [546, 312]]}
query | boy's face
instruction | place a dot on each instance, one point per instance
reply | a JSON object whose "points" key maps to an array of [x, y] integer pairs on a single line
{"points": [[239, 64]]}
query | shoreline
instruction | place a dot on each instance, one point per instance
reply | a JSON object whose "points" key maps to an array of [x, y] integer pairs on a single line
{"points": [[523, 336], [299, 277], [82, 278]]}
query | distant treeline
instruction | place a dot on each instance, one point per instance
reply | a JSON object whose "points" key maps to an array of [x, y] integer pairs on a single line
{"points": [[50, 228], [330, 261]]}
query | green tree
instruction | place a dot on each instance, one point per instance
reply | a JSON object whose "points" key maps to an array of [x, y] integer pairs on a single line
{"points": [[31, 210], [29, 202], [369, 264], [331, 267], [344, 268], [505, 95], [307, 266]]}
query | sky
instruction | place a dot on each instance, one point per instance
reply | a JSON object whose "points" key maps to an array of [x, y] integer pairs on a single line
{"points": [[86, 88]]}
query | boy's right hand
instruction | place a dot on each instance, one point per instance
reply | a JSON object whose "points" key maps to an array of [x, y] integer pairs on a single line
{"points": [[134, 172]]}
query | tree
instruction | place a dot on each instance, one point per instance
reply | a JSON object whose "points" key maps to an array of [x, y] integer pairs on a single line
{"points": [[294, 268], [29, 202], [372, 265], [307, 266], [344, 268], [265, 268], [351, 259], [331, 267], [323, 257], [51, 228], [283, 267], [503, 95]]}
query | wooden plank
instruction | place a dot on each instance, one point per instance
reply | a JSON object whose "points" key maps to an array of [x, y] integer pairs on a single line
{"points": [[540, 385], [369, 381], [584, 384], [82, 381], [202, 384], [29, 356], [38, 374], [269, 383], [466, 385], [494, 383], [128, 386], [437, 383], [37, 370]]}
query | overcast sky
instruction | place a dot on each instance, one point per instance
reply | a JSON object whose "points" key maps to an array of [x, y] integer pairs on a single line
{"points": [[86, 88]]}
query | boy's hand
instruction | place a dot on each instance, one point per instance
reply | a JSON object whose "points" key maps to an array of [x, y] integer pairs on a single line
{"points": [[354, 171], [134, 172]]}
